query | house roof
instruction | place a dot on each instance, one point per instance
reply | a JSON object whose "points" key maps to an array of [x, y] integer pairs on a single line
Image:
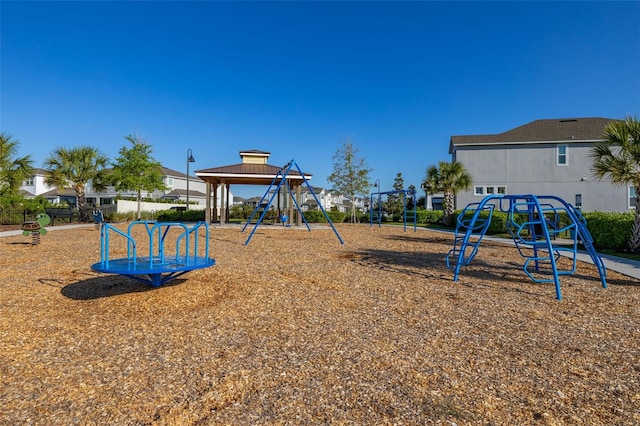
{"points": [[183, 193], [246, 174], [59, 193], [40, 172], [540, 131], [174, 173]]}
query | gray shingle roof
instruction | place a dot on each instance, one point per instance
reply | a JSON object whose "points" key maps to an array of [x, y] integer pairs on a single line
{"points": [[244, 168], [548, 130]]}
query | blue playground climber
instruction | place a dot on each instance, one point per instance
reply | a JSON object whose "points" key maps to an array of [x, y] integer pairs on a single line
{"points": [[533, 225]]}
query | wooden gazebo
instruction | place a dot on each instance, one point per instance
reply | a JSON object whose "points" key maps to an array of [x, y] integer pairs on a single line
{"points": [[253, 170]]}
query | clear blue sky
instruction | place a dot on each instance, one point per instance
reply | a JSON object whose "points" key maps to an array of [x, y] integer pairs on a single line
{"points": [[295, 78]]}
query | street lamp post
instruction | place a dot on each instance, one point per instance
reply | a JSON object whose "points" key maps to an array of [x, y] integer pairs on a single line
{"points": [[377, 186], [427, 189], [190, 159]]}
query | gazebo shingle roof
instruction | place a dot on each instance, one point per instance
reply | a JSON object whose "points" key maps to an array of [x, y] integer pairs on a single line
{"points": [[244, 173]]}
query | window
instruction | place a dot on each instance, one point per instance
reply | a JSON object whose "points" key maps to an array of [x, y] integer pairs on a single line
{"points": [[489, 190], [28, 181], [563, 155], [169, 182], [632, 197]]}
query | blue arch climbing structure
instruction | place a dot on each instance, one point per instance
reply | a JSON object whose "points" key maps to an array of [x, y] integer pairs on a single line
{"points": [[533, 222]]}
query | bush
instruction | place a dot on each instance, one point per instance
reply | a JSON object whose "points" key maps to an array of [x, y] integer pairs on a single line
{"points": [[337, 217], [176, 216], [610, 231], [35, 205], [363, 217], [315, 216], [429, 216]]}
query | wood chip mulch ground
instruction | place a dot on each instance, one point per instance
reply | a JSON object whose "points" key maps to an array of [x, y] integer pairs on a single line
{"points": [[296, 328]]}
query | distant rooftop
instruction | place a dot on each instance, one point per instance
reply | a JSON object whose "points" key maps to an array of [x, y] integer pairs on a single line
{"points": [[548, 130]]}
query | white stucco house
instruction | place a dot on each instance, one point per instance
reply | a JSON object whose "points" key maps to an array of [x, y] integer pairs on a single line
{"points": [[175, 181]]}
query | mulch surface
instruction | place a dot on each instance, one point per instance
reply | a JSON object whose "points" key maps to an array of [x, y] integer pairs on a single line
{"points": [[296, 328]]}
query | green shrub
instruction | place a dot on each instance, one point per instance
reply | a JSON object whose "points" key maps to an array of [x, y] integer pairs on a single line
{"points": [[363, 217], [176, 216], [337, 217], [35, 205], [498, 223], [315, 216], [429, 216], [610, 231]]}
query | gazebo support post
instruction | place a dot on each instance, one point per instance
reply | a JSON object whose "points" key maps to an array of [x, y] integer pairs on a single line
{"points": [[215, 202], [207, 210], [222, 203], [299, 200]]}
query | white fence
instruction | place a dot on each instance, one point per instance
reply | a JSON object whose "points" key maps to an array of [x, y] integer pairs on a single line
{"points": [[126, 206]]}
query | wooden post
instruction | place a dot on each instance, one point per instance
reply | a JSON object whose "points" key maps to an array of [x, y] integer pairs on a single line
{"points": [[207, 209]]}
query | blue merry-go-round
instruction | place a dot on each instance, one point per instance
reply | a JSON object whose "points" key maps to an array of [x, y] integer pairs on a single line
{"points": [[162, 261]]}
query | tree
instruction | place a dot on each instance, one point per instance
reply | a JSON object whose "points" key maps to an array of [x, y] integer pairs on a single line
{"points": [[394, 201], [136, 170], [448, 178], [75, 168], [410, 200], [618, 157], [13, 171], [430, 183], [350, 174]]}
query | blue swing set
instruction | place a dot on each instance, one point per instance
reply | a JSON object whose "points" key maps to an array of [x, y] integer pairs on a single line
{"points": [[534, 223], [278, 181], [375, 212]]}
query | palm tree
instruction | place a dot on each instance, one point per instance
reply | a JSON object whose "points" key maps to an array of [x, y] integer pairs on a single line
{"points": [[448, 178], [13, 171], [74, 169], [618, 157]]}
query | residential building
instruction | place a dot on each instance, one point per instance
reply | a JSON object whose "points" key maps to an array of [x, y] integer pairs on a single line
{"points": [[544, 157], [175, 182]]}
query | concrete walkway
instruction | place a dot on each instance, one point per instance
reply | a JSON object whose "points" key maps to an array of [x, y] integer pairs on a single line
{"points": [[622, 265]]}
